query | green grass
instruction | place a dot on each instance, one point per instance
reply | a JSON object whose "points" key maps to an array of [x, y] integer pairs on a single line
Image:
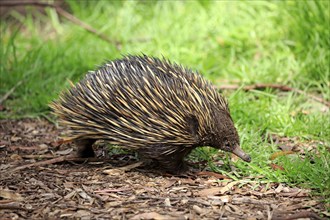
{"points": [[241, 42]]}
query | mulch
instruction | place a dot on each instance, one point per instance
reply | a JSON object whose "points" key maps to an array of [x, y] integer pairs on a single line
{"points": [[40, 179]]}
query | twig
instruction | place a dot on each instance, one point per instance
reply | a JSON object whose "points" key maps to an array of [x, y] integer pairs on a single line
{"points": [[246, 200], [256, 86], [284, 88], [299, 215], [87, 27], [216, 175], [37, 156], [280, 153], [25, 3], [42, 163], [269, 214], [55, 160], [67, 15], [5, 97], [12, 205], [196, 200]]}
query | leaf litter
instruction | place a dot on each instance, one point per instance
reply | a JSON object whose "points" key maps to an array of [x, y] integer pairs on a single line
{"points": [[121, 187]]}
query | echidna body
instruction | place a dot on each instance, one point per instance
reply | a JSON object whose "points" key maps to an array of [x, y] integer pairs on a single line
{"points": [[160, 109]]}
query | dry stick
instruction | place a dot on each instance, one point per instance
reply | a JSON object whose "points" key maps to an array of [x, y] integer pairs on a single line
{"points": [[196, 200], [217, 175], [25, 3], [5, 97], [298, 215], [55, 160], [68, 16], [275, 86], [87, 27], [41, 163], [12, 205], [38, 156], [246, 200]]}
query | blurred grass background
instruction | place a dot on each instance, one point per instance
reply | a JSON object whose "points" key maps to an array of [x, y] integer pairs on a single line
{"points": [[229, 42]]}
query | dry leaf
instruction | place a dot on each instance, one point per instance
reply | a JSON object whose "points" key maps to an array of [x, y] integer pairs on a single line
{"points": [[280, 153], [120, 170], [113, 172], [14, 138], [279, 188], [218, 190], [217, 175], [276, 167], [151, 215], [209, 191], [229, 186], [16, 157]]}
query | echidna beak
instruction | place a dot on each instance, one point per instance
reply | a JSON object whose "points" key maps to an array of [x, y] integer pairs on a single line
{"points": [[240, 153]]}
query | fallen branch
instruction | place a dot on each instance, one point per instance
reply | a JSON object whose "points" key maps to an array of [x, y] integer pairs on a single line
{"points": [[246, 200], [67, 158], [87, 27], [66, 15], [284, 88], [299, 215], [38, 157], [192, 200], [280, 153], [256, 86], [12, 206], [5, 97], [42, 163], [216, 175], [13, 3]]}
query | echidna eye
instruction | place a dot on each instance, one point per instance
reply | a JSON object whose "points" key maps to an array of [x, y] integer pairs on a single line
{"points": [[227, 144]]}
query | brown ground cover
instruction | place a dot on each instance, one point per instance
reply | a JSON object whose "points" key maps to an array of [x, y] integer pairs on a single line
{"points": [[40, 180]]}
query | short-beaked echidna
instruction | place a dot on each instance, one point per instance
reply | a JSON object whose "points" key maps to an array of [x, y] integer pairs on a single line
{"points": [[158, 108]]}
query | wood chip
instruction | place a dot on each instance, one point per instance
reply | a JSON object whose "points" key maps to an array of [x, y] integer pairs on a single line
{"points": [[7, 194]]}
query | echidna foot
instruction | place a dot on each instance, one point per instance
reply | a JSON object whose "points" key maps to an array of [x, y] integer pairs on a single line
{"points": [[85, 147], [174, 167]]}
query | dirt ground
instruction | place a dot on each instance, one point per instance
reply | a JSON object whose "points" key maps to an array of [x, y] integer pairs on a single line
{"points": [[40, 180]]}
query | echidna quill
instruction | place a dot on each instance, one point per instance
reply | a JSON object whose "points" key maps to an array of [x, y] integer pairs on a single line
{"points": [[160, 109]]}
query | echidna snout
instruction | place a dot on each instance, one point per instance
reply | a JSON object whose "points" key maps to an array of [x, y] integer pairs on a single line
{"points": [[241, 154]]}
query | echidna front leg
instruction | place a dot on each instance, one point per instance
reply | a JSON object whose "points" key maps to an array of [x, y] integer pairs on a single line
{"points": [[85, 147], [174, 162]]}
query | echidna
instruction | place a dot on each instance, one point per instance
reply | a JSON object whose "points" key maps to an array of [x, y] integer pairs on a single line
{"points": [[158, 108]]}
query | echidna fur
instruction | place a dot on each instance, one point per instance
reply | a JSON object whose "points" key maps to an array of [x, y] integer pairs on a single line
{"points": [[156, 107]]}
